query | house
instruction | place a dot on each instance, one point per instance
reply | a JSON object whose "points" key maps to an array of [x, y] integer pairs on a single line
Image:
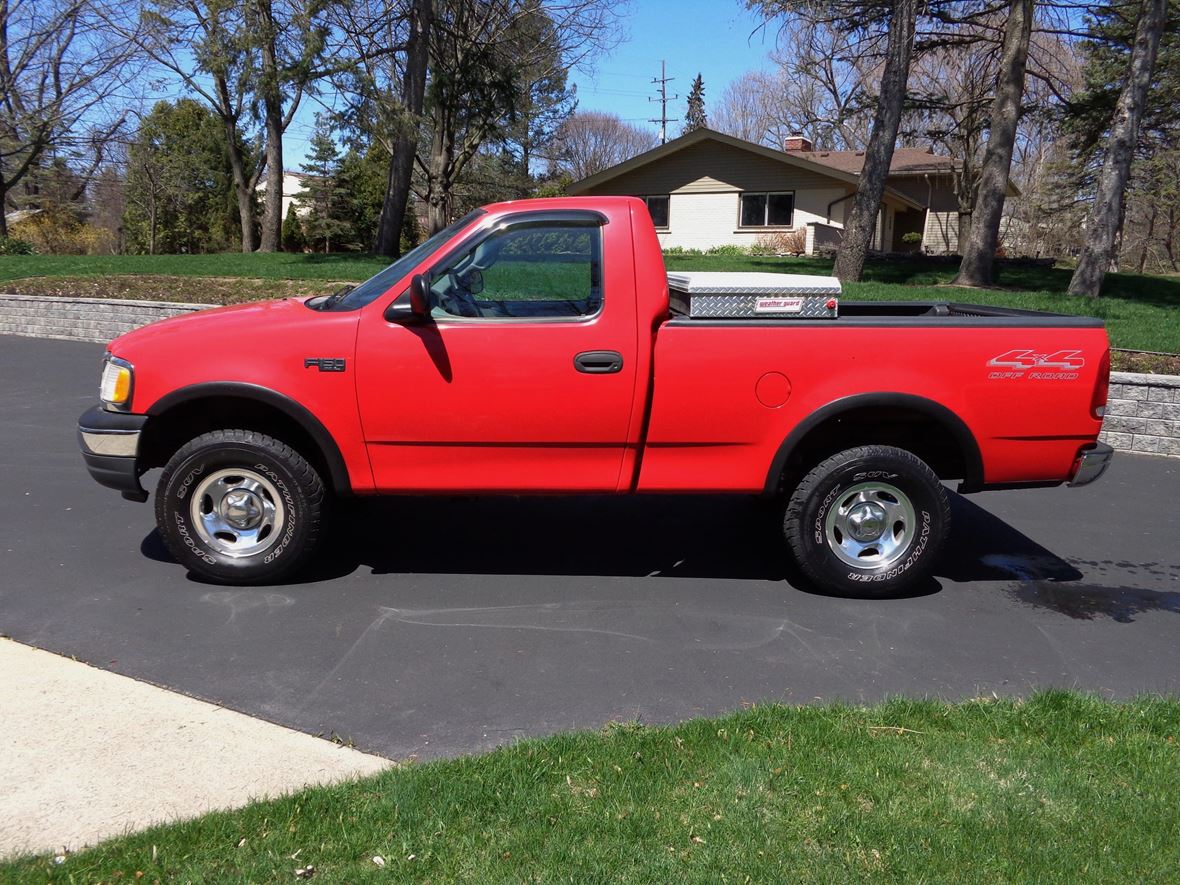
{"points": [[708, 189], [292, 186]]}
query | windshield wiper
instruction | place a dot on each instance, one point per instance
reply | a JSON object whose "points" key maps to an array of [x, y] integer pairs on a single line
{"points": [[334, 299]]}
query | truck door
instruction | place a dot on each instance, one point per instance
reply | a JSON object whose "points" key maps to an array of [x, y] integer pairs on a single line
{"points": [[522, 378]]}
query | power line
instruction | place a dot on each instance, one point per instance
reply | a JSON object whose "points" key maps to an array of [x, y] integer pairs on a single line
{"points": [[662, 81]]}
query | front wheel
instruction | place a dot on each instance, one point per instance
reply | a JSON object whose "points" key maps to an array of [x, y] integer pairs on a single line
{"points": [[239, 507], [867, 522]]}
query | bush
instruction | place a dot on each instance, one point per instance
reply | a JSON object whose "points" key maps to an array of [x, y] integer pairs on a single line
{"points": [[14, 246], [62, 234], [728, 249], [782, 242], [913, 237]]}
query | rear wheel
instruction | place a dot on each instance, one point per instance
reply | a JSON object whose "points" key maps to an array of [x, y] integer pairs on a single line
{"points": [[867, 522], [239, 507]]}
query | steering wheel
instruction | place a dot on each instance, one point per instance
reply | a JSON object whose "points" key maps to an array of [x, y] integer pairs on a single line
{"points": [[456, 299]]}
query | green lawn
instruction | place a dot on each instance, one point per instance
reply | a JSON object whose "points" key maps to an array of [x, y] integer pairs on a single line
{"points": [[1058, 788], [1141, 312]]}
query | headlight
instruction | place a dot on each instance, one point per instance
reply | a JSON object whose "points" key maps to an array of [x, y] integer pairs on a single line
{"points": [[115, 389]]}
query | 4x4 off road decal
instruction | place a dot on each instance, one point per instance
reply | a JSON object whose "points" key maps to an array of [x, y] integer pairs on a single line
{"points": [[1028, 364]]}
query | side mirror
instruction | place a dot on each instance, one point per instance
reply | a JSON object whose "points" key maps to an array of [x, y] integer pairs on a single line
{"points": [[414, 304]]}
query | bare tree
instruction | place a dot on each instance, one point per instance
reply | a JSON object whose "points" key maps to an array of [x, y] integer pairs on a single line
{"points": [[858, 229], [61, 75], [950, 92], [590, 141], [1124, 136], [980, 252], [745, 108], [822, 83]]}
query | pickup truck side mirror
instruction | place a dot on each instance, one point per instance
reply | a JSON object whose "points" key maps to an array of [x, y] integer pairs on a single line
{"points": [[412, 305]]}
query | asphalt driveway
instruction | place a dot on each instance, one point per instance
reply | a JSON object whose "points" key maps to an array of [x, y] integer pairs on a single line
{"points": [[437, 627]]}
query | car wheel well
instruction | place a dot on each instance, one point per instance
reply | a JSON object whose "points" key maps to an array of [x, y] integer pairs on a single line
{"points": [[935, 441], [166, 432]]}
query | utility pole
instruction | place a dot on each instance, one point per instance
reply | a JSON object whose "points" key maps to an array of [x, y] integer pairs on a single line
{"points": [[662, 81]]}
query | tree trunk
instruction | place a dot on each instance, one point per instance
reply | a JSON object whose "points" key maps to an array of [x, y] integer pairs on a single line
{"points": [[979, 251], [243, 188], [858, 231], [272, 206], [152, 228], [440, 173], [1147, 237], [1124, 135], [3, 211], [272, 102], [401, 164], [964, 232]]}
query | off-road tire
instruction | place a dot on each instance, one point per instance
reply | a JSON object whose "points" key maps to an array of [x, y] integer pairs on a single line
{"points": [[286, 479], [813, 522]]}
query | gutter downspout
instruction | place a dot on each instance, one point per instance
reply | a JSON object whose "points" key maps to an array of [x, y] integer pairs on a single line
{"points": [[828, 217]]}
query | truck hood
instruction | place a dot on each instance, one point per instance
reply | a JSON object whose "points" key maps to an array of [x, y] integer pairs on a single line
{"points": [[269, 316]]}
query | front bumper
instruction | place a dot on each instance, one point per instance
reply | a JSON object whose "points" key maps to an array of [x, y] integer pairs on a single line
{"points": [[1091, 463], [110, 447]]}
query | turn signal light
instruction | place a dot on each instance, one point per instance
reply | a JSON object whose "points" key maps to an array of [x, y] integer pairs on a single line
{"points": [[115, 389]]}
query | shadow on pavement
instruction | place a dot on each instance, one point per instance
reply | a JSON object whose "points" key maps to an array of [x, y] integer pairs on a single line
{"points": [[728, 538]]}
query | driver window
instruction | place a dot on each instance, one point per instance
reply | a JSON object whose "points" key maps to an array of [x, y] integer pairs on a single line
{"points": [[527, 272]]}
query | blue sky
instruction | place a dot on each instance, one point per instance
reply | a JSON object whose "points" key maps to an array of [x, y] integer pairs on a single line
{"points": [[719, 39]]}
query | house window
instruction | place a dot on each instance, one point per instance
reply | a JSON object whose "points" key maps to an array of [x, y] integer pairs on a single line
{"points": [[767, 210], [657, 207]]}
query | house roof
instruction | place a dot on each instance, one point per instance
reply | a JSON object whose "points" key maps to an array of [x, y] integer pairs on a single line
{"points": [[798, 159], [906, 161]]}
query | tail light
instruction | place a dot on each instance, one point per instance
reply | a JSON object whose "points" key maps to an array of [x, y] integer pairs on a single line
{"points": [[1101, 388]]}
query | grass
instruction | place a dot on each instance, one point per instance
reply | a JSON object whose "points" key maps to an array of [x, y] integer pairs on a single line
{"points": [[1058, 788], [1142, 312]]}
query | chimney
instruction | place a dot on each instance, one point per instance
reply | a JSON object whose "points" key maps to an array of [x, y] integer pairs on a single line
{"points": [[797, 141]]}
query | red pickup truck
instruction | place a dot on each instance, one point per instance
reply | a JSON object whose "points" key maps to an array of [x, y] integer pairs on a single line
{"points": [[531, 348]]}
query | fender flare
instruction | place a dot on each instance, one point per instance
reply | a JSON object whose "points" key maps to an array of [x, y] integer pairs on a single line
{"points": [[944, 417], [337, 470]]}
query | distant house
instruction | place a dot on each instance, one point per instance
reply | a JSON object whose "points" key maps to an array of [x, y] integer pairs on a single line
{"points": [[292, 185], [708, 189]]}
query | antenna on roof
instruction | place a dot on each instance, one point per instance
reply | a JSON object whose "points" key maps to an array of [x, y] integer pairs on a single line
{"points": [[663, 81]]}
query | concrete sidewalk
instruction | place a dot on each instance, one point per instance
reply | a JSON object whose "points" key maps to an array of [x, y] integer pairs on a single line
{"points": [[86, 755]]}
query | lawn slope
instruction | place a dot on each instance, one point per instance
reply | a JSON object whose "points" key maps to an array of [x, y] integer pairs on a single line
{"points": [[1058, 788]]}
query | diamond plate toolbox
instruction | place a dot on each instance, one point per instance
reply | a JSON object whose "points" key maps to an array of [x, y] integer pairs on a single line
{"points": [[723, 295]]}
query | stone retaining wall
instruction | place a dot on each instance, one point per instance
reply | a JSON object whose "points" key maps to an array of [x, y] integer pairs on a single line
{"points": [[1143, 414], [82, 319]]}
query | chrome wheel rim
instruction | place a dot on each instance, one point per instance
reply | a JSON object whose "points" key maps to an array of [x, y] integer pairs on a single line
{"points": [[871, 525], [237, 512]]}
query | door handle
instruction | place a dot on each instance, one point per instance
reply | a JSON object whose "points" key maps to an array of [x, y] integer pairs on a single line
{"points": [[599, 362]]}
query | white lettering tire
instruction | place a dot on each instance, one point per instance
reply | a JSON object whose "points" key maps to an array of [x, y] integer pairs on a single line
{"points": [[868, 522], [239, 507]]}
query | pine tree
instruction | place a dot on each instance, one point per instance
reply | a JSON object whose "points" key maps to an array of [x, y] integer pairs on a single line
{"points": [[292, 234], [695, 118], [323, 193]]}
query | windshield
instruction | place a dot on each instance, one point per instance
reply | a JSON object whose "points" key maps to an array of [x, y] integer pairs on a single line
{"points": [[385, 280]]}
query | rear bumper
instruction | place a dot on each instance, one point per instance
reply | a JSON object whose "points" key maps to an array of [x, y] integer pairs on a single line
{"points": [[110, 447], [1091, 463]]}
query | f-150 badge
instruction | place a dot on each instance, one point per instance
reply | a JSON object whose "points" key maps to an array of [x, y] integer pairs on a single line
{"points": [[324, 364]]}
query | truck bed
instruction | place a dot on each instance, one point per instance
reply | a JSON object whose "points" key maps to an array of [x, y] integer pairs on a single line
{"points": [[906, 313]]}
